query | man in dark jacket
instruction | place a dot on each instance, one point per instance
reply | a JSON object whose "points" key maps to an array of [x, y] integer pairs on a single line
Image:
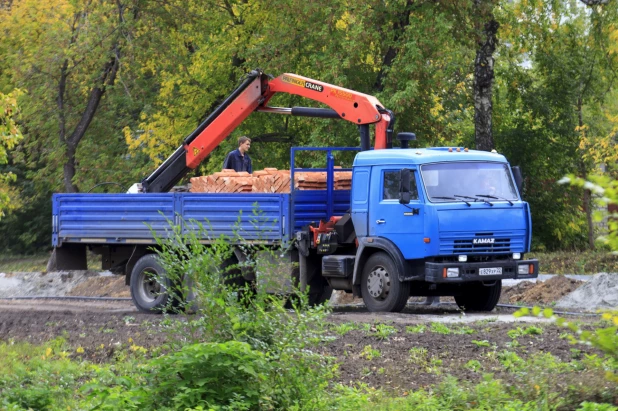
{"points": [[238, 159]]}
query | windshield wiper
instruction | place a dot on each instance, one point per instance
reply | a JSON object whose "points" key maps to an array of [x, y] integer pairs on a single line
{"points": [[471, 198], [495, 198], [453, 198]]}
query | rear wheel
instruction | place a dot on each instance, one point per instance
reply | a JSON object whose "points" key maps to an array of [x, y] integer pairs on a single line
{"points": [[479, 297], [380, 285], [149, 285]]}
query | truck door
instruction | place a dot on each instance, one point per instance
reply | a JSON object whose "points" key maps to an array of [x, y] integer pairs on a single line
{"points": [[400, 223]]}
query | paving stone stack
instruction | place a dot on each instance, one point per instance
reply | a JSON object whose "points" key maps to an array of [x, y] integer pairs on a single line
{"points": [[269, 180]]}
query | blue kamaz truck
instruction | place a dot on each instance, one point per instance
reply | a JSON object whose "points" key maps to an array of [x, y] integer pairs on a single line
{"points": [[444, 221]]}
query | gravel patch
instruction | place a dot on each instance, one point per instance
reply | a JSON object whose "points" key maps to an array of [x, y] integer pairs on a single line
{"points": [[600, 292]]}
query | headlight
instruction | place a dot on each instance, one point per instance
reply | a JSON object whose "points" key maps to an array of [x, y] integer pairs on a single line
{"points": [[522, 269], [452, 272], [516, 256]]}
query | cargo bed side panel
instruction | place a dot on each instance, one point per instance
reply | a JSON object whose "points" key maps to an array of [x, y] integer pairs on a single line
{"points": [[128, 218], [111, 218], [310, 206], [252, 216]]}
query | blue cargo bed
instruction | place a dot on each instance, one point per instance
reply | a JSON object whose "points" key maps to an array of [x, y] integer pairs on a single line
{"points": [[132, 218]]}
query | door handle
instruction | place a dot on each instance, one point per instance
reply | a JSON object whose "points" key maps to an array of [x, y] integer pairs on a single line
{"points": [[380, 221]]}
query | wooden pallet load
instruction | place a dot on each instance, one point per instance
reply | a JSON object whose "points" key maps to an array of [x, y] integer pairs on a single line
{"points": [[269, 180]]}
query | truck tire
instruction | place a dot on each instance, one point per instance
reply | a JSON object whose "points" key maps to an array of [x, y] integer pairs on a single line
{"points": [[147, 292], [380, 285], [319, 290], [479, 297]]}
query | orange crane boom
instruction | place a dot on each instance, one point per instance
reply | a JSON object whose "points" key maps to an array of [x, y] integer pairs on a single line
{"points": [[253, 95]]}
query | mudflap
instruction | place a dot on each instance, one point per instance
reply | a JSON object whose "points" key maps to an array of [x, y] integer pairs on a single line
{"points": [[68, 257]]}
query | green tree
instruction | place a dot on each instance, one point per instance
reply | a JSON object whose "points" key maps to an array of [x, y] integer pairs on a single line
{"points": [[486, 30], [555, 81], [410, 54], [9, 137], [67, 55]]}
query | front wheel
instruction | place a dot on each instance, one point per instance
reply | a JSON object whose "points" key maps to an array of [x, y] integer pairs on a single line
{"points": [[479, 297], [380, 285], [149, 285]]}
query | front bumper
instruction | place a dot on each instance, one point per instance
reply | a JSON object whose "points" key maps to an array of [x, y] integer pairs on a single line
{"points": [[469, 272]]}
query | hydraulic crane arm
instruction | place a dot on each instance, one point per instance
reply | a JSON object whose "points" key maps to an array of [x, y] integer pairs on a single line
{"points": [[253, 95]]}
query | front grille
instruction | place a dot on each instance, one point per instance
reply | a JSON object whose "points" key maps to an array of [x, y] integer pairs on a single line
{"points": [[468, 246], [463, 243]]}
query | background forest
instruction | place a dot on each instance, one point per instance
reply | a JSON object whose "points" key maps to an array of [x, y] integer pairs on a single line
{"points": [[95, 91]]}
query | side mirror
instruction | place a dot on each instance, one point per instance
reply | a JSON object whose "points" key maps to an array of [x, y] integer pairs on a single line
{"points": [[519, 179], [404, 186]]}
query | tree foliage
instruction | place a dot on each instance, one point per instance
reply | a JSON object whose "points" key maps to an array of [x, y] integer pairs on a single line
{"points": [[9, 137], [555, 85], [113, 87]]}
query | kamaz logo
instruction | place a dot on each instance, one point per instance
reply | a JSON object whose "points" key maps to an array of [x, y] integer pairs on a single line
{"points": [[483, 241]]}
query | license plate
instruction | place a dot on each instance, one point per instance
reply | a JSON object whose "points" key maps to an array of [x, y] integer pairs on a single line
{"points": [[490, 271]]}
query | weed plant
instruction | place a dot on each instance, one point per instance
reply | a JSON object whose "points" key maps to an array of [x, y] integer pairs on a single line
{"points": [[383, 331], [345, 328], [242, 347]]}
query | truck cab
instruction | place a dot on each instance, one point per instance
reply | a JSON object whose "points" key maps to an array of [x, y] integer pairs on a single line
{"points": [[437, 221]]}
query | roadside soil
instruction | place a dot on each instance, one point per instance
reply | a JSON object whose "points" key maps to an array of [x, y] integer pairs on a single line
{"points": [[106, 329], [102, 287], [403, 361], [540, 293]]}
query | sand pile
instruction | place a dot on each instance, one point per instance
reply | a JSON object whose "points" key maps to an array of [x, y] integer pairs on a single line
{"points": [[600, 292], [102, 286], [541, 292]]}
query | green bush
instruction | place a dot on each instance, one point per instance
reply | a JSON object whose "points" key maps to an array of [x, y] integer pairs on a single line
{"points": [[603, 337], [212, 376], [241, 348]]}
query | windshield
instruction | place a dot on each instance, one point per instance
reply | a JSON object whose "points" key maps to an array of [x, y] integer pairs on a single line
{"points": [[447, 182]]}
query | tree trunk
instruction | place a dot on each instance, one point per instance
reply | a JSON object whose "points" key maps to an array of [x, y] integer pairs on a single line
{"points": [[107, 78], [587, 198], [387, 61], [483, 84], [69, 169]]}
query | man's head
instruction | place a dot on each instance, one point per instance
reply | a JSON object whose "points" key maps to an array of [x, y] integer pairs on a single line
{"points": [[244, 143]]}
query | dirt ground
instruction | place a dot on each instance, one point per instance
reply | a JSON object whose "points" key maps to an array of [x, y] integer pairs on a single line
{"points": [[540, 293], [102, 287], [106, 328], [524, 293]]}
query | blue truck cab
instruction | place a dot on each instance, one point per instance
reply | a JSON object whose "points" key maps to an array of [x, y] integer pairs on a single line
{"points": [[462, 228]]}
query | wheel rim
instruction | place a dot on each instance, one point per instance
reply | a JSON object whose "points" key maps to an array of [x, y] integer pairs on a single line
{"points": [[149, 288], [379, 283]]}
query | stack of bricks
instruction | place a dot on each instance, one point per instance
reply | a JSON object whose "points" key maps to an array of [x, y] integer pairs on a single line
{"points": [[269, 180], [226, 181], [343, 180]]}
